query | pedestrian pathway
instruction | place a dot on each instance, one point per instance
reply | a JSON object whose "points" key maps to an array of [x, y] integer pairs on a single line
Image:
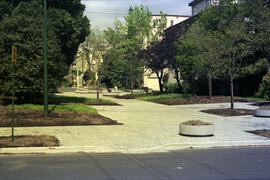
{"points": [[152, 127]]}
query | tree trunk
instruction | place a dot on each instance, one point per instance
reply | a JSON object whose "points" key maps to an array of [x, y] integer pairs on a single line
{"points": [[210, 85], [98, 90], [78, 85], [131, 86], [160, 80], [177, 78], [232, 94]]}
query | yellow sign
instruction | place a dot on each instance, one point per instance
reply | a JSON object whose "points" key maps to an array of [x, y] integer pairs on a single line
{"points": [[14, 53]]}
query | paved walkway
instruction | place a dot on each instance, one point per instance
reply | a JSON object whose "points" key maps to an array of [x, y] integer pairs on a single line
{"points": [[148, 127]]}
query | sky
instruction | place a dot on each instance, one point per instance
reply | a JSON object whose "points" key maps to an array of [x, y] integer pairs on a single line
{"points": [[103, 12]]}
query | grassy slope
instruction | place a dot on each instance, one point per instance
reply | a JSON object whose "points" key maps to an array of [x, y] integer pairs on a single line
{"points": [[70, 99], [253, 98], [156, 97], [164, 96], [64, 108]]}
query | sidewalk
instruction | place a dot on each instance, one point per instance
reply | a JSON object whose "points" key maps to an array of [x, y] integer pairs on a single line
{"points": [[147, 127]]}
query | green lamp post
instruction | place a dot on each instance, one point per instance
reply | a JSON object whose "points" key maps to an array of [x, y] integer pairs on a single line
{"points": [[45, 60]]}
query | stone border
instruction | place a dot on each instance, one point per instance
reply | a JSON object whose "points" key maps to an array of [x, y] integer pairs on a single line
{"points": [[196, 131], [261, 113]]}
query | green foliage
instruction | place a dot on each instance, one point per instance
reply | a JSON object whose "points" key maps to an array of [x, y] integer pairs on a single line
{"points": [[260, 66], [154, 55], [22, 26], [94, 44], [158, 27], [189, 65], [172, 88], [264, 90], [227, 42], [89, 75], [122, 66]]}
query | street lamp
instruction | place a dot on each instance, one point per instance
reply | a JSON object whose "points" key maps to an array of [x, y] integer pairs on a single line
{"points": [[45, 60]]}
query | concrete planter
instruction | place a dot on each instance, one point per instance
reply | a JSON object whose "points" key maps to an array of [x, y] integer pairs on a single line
{"points": [[261, 113], [196, 130]]}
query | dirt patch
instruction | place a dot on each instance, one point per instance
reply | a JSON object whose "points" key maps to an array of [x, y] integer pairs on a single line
{"points": [[123, 97], [197, 123], [266, 103], [28, 141], [229, 112], [5, 100], [199, 100], [28, 117], [264, 133], [265, 107], [95, 103]]}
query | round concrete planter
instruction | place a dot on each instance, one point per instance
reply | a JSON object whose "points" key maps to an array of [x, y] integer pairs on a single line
{"points": [[261, 113], [196, 130]]}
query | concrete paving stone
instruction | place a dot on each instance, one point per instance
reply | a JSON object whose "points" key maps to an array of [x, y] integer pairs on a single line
{"points": [[148, 127]]}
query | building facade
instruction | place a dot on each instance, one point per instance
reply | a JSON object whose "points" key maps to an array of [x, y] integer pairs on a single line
{"points": [[171, 19], [198, 5]]}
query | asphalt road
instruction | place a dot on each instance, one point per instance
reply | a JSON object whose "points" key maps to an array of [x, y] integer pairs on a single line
{"points": [[230, 163]]}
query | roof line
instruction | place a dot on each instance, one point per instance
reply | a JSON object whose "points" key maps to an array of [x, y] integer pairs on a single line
{"points": [[194, 2], [172, 15]]}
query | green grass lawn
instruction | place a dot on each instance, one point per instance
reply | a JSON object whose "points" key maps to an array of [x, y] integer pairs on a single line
{"points": [[253, 98], [64, 108], [164, 96], [156, 97], [70, 99]]}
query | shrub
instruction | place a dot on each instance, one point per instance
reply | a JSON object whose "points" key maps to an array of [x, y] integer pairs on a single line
{"points": [[264, 90], [172, 88]]}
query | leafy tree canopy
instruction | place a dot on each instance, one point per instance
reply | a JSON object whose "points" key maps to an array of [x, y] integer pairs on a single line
{"points": [[21, 24]]}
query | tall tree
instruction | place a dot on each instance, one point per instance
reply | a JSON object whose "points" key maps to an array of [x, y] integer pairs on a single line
{"points": [[205, 41], [22, 26], [91, 48], [155, 60], [234, 48], [154, 55], [127, 39]]}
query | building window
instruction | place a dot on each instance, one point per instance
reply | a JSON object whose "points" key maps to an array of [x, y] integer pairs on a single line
{"points": [[194, 11], [215, 2], [171, 22]]}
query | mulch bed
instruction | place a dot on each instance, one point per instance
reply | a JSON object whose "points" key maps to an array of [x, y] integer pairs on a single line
{"points": [[197, 123], [95, 103], [102, 104], [265, 107], [264, 133], [229, 112], [28, 117], [199, 100], [267, 103], [28, 141], [123, 97]]}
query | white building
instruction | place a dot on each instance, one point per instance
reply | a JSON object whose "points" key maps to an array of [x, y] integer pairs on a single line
{"points": [[198, 5], [171, 19]]}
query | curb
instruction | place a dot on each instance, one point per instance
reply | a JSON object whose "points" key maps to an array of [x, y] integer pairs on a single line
{"points": [[163, 148]]}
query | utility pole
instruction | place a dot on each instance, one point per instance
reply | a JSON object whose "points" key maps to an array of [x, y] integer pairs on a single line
{"points": [[45, 60], [14, 59], [82, 69], [77, 75]]}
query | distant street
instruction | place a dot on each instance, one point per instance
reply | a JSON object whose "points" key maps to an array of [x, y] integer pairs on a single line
{"points": [[230, 163], [66, 89]]}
